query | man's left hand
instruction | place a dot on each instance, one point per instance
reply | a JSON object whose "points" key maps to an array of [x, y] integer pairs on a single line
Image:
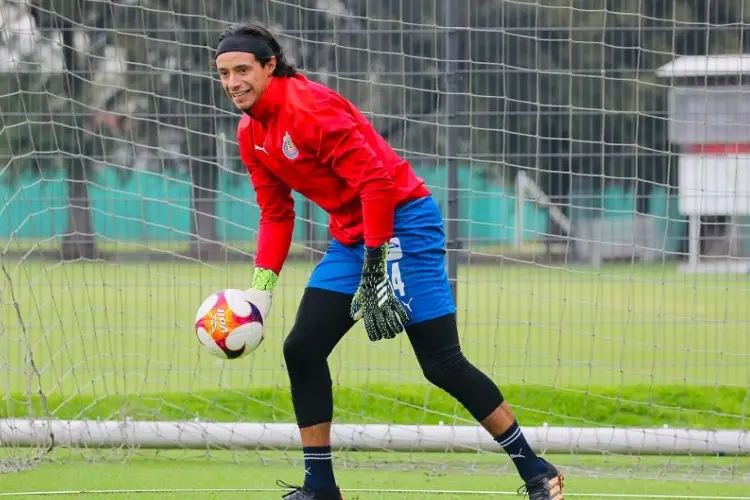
{"points": [[375, 300]]}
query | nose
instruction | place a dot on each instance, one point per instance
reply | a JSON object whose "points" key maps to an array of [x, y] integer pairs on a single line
{"points": [[233, 83]]}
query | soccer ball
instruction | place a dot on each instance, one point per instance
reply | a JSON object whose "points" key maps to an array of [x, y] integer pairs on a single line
{"points": [[228, 326]]}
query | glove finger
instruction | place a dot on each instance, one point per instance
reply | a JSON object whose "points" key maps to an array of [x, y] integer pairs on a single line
{"points": [[399, 312], [355, 311], [260, 299], [382, 328], [371, 329], [367, 325], [388, 326], [357, 315], [397, 317], [397, 326], [403, 316], [401, 326]]}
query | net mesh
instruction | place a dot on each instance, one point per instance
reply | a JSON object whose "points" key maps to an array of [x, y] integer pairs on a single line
{"points": [[125, 204]]}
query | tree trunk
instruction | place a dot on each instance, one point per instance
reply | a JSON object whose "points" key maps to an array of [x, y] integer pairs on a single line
{"points": [[204, 245], [204, 172], [78, 241]]}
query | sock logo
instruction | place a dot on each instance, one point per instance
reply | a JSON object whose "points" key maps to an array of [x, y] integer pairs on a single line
{"points": [[517, 455]]}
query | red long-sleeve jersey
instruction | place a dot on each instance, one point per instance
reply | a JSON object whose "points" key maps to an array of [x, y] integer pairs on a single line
{"points": [[303, 136]]}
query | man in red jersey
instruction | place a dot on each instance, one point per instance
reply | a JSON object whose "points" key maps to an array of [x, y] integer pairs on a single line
{"points": [[385, 265]]}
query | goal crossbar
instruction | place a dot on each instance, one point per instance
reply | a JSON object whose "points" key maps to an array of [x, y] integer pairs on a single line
{"points": [[369, 437]]}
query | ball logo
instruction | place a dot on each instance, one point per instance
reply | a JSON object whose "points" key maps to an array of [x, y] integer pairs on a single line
{"points": [[288, 147], [219, 321]]}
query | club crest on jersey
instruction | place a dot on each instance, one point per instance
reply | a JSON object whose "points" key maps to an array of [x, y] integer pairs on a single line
{"points": [[288, 147]]}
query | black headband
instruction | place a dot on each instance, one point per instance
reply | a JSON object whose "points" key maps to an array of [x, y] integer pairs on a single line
{"points": [[245, 42]]}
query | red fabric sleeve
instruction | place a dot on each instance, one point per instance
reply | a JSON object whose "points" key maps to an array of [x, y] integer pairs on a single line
{"points": [[342, 145], [276, 204]]}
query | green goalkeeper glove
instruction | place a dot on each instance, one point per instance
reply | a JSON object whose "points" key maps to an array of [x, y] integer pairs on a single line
{"points": [[375, 299], [261, 291]]}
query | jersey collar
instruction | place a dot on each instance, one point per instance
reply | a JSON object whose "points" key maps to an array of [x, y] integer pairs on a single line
{"points": [[269, 101]]}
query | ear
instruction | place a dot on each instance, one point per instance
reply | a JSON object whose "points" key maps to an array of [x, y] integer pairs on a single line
{"points": [[270, 66]]}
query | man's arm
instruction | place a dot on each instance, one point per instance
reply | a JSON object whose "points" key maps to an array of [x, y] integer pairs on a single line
{"points": [[341, 145], [276, 213]]}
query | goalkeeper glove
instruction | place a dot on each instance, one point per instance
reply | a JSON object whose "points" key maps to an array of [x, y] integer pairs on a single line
{"points": [[375, 299], [260, 293]]}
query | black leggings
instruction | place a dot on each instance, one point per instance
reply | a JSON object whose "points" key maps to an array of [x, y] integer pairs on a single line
{"points": [[323, 319]]}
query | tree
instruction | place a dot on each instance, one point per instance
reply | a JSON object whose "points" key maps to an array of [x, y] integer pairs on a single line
{"points": [[85, 103], [41, 129], [64, 107], [174, 41], [165, 98], [552, 87], [130, 84]]}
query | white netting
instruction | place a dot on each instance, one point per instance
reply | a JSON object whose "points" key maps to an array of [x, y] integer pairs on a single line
{"points": [[126, 204]]}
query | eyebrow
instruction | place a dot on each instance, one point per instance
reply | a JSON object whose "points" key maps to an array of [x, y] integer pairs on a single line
{"points": [[236, 66]]}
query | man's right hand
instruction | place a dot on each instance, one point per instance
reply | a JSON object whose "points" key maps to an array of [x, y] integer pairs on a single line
{"points": [[261, 292]]}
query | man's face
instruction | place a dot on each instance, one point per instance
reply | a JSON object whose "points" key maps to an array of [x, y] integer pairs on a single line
{"points": [[243, 78]]}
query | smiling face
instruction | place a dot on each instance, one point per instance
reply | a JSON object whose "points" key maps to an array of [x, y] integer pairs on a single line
{"points": [[243, 77]]}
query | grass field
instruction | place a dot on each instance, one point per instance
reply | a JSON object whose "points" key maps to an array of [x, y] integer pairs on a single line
{"points": [[577, 346]]}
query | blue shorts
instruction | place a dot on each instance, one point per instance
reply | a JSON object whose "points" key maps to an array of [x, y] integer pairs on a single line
{"points": [[416, 263]]}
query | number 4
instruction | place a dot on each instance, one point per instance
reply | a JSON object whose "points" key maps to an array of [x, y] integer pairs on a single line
{"points": [[396, 281]]}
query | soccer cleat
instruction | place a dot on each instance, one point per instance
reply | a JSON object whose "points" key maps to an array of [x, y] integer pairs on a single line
{"points": [[303, 493], [547, 486]]}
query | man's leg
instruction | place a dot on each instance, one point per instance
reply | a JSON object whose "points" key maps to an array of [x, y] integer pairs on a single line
{"points": [[417, 270], [437, 348], [322, 320]]}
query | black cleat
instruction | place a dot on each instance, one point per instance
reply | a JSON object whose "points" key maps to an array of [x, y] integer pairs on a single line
{"points": [[303, 493], [547, 486]]}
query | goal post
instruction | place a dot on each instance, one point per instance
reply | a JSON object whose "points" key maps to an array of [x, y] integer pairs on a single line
{"points": [[367, 437], [124, 204]]}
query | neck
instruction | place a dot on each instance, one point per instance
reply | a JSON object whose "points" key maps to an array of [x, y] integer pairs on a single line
{"points": [[268, 102]]}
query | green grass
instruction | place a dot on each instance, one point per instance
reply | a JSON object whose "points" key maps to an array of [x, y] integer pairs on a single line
{"points": [[638, 406], [107, 328], [101, 331], [187, 470], [621, 345]]}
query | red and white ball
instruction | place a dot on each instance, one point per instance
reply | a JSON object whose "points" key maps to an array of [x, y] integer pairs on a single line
{"points": [[228, 326]]}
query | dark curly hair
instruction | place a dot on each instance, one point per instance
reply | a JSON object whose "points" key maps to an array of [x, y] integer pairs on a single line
{"points": [[283, 67]]}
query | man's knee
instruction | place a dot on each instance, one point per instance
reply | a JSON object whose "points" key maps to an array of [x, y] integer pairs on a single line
{"points": [[444, 367], [301, 349], [453, 373], [438, 350], [294, 346], [443, 363], [322, 319], [309, 377]]}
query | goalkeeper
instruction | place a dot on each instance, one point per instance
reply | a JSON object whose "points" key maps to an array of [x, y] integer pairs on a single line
{"points": [[299, 135]]}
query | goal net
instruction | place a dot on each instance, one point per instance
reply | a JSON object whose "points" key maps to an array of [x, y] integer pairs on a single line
{"points": [[124, 204]]}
